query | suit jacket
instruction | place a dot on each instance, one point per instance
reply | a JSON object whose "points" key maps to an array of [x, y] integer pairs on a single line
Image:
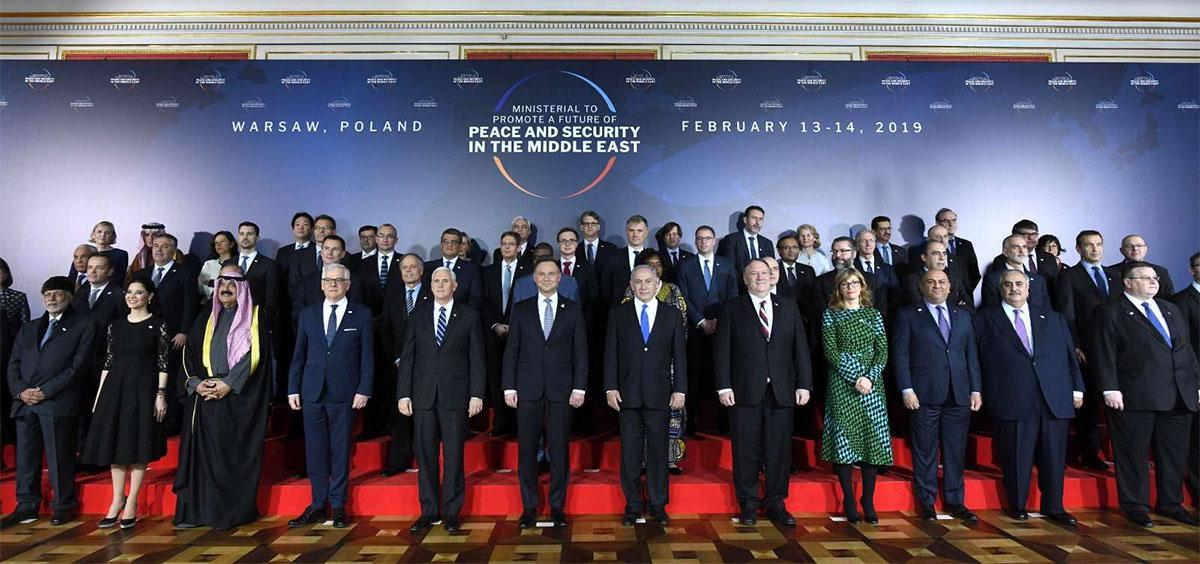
{"points": [[910, 289], [176, 298], [1132, 357], [641, 370], [492, 284], [1039, 292], [802, 291], [446, 376], [373, 291], [734, 247], [939, 372], [1166, 288], [1047, 267], [705, 303], [1188, 301], [109, 304], [306, 290], [299, 263], [900, 260], [54, 368], [964, 254], [263, 276], [614, 275], [745, 359], [1076, 297], [536, 366], [823, 290], [397, 316], [525, 259], [887, 277], [334, 372], [118, 259], [468, 275], [603, 249], [587, 277], [286, 258], [1013, 380], [671, 269], [354, 261]]}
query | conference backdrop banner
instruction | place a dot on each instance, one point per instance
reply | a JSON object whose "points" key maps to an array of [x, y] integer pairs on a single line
{"points": [[202, 145]]}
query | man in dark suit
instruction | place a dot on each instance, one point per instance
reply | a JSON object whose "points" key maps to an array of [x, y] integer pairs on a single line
{"points": [[466, 273], [747, 243], [1036, 262], [379, 275], [176, 300], [498, 281], [308, 288], [618, 265], [763, 372], [441, 385], [1081, 288], [332, 371], [1188, 301], [261, 272], [937, 371], [523, 229], [302, 240], [1134, 249], [285, 328], [841, 253], [644, 341], [668, 237], [1148, 374], [48, 357], [367, 235], [1031, 387], [705, 280], [544, 377], [934, 256], [864, 242], [79, 260], [100, 298], [1014, 256], [795, 278], [401, 302], [571, 265], [593, 249], [962, 252], [894, 256]]}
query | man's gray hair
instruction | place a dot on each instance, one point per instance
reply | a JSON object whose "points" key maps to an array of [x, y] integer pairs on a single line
{"points": [[328, 269], [647, 268]]}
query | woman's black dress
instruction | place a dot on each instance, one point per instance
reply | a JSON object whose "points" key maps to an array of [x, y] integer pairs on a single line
{"points": [[124, 429]]}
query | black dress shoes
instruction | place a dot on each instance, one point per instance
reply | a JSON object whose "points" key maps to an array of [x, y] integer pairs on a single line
{"points": [[1181, 516], [1021, 515], [630, 518], [310, 516], [423, 523], [869, 515], [781, 517], [1093, 463], [559, 517], [660, 516], [62, 518], [1062, 518], [748, 517], [527, 520], [1141, 519], [961, 512], [452, 524], [928, 514], [392, 471], [339, 519], [110, 522]]}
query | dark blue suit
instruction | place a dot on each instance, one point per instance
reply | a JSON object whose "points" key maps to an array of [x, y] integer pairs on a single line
{"points": [[1030, 399], [327, 376], [942, 374], [469, 277], [704, 303]]}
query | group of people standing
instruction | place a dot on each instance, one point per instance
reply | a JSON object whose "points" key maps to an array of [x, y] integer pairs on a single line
{"points": [[661, 342]]}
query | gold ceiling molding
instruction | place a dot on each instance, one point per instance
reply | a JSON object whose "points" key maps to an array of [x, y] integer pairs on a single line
{"points": [[593, 14]]}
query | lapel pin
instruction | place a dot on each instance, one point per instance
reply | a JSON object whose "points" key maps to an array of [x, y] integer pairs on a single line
{"points": [[1042, 316]]}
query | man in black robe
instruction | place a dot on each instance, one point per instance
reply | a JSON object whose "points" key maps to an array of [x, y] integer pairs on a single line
{"points": [[228, 366]]}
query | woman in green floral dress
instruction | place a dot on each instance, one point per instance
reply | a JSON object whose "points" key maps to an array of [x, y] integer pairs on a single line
{"points": [[856, 420]]}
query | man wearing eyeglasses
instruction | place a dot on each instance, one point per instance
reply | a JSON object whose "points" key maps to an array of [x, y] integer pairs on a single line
{"points": [[1036, 262], [1148, 374], [592, 248], [1135, 249], [332, 373]]}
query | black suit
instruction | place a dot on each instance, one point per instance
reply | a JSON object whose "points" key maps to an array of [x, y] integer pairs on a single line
{"points": [[1047, 268], [306, 291], [910, 289], [354, 261], [525, 259], [601, 251], [49, 426], [496, 310], [396, 317], [641, 370], [762, 416], [1159, 385], [1166, 288], [286, 258], [263, 276], [1030, 397], [109, 304], [544, 371], [799, 285], [887, 278], [378, 415], [176, 301], [1188, 301], [900, 260], [1039, 289], [440, 380], [374, 291], [962, 251], [467, 275], [614, 276], [671, 267], [585, 275], [736, 247]]}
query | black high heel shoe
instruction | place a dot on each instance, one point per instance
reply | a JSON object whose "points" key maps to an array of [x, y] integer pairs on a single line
{"points": [[110, 522], [869, 513], [851, 512]]}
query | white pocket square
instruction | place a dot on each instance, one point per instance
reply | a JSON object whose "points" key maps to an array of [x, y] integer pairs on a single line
{"points": [[349, 329]]}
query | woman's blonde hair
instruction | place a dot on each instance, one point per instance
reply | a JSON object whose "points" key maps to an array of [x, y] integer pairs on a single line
{"points": [[816, 235], [845, 275]]}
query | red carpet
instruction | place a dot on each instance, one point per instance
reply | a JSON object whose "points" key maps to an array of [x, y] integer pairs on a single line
{"points": [[704, 487]]}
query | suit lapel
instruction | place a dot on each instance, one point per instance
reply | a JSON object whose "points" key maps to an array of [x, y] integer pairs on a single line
{"points": [[748, 305], [450, 317], [1131, 311], [1038, 322], [928, 316], [562, 308], [1006, 327]]}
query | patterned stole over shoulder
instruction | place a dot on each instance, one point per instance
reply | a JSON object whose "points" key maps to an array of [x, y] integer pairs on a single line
{"points": [[206, 351]]}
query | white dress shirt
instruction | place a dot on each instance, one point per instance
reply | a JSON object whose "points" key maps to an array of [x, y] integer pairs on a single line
{"points": [[1008, 311], [381, 260], [633, 256], [1137, 304], [437, 311], [341, 312], [757, 301]]}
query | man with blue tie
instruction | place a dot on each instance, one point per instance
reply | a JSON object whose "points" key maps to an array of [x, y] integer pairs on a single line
{"points": [[937, 372], [894, 256], [1031, 387], [1148, 375], [1079, 290], [544, 379], [747, 243], [706, 279], [499, 278], [331, 376]]}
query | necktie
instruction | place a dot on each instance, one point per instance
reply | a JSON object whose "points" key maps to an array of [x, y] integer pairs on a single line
{"points": [[762, 316], [1153, 321], [158, 275], [885, 251], [245, 265], [441, 326], [567, 268], [383, 270], [791, 275], [870, 267], [92, 297], [1101, 283], [506, 289], [707, 276], [753, 246], [50, 331], [645, 322], [1021, 331], [1033, 263], [943, 324], [447, 264], [408, 300], [591, 254], [953, 245], [548, 319], [674, 258], [80, 280], [331, 327], [320, 263]]}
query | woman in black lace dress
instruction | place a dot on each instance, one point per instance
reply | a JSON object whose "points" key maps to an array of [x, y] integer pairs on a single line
{"points": [[126, 432]]}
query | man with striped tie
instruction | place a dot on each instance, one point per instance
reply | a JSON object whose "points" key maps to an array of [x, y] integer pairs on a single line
{"points": [[442, 375]]}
